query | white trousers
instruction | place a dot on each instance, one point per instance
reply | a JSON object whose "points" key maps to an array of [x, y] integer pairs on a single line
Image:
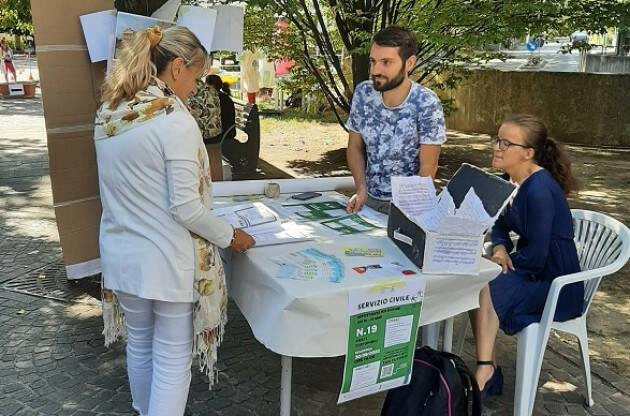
{"points": [[159, 354]]}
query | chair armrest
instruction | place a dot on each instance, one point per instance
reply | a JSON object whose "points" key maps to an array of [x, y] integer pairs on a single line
{"points": [[556, 286], [487, 248]]}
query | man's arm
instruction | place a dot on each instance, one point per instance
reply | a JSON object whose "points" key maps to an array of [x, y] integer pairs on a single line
{"points": [[429, 157], [356, 163]]}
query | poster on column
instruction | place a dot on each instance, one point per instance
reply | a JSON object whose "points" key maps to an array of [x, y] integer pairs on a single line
{"points": [[383, 327]]}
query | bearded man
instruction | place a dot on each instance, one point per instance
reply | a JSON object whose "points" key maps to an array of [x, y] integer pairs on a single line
{"points": [[396, 126]]}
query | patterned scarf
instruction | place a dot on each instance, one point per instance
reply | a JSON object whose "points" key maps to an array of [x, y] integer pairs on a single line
{"points": [[209, 294]]}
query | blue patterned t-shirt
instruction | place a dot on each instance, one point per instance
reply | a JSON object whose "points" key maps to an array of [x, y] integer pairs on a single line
{"points": [[393, 135]]}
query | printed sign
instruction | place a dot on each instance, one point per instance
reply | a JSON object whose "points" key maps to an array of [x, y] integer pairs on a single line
{"points": [[382, 337]]}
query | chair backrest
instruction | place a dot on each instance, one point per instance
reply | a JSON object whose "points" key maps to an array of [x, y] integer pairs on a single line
{"points": [[244, 156], [247, 118], [601, 242]]}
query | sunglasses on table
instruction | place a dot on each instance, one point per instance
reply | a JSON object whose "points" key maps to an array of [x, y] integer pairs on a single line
{"points": [[505, 144]]}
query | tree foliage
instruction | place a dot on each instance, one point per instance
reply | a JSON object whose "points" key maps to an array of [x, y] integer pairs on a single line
{"points": [[15, 17], [141, 7], [330, 39], [451, 33]]}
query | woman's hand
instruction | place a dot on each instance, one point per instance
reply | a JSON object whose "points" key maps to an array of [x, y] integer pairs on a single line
{"points": [[241, 241], [501, 257]]}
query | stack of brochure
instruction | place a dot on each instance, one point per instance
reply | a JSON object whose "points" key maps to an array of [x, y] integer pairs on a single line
{"points": [[262, 223]]}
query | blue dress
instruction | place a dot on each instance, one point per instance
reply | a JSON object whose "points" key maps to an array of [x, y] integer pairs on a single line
{"points": [[541, 217]]}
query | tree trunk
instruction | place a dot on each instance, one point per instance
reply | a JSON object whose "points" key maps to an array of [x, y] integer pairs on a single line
{"points": [[360, 69]]}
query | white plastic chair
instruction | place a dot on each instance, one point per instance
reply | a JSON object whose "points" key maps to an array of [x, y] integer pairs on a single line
{"points": [[603, 246]]}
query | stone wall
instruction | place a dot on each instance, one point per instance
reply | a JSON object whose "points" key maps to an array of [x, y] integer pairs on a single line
{"points": [[583, 108], [611, 64]]}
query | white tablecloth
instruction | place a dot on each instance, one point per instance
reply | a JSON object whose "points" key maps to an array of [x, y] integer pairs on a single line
{"points": [[309, 318]]}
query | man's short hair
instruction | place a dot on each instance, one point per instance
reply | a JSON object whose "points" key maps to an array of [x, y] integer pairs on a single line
{"points": [[397, 37]]}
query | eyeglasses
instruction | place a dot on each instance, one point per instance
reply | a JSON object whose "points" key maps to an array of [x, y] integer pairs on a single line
{"points": [[505, 144]]}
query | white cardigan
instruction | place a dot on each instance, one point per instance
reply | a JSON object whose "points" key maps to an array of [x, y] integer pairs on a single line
{"points": [[149, 185]]}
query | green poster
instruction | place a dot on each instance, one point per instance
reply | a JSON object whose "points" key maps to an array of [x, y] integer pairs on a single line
{"points": [[349, 224], [316, 211], [381, 338]]}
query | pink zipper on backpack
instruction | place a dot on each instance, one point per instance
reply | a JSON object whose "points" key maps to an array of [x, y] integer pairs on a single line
{"points": [[448, 391]]}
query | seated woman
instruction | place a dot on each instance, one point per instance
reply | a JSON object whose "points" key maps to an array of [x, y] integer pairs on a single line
{"points": [[228, 113], [540, 215], [230, 147]]}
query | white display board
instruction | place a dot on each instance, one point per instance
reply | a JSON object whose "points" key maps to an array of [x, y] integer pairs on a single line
{"points": [[228, 35], [201, 21]]}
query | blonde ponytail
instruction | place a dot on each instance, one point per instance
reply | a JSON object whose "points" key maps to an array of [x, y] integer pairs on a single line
{"points": [[139, 61]]}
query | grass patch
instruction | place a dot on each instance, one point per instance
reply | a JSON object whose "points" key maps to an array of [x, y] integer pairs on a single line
{"points": [[295, 114]]}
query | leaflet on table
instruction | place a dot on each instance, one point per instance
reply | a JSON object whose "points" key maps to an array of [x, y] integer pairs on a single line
{"points": [[381, 337], [262, 223], [309, 264], [363, 251], [288, 232], [350, 224], [246, 216], [372, 216]]}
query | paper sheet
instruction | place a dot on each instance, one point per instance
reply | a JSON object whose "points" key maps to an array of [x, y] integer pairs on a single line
{"points": [[247, 216], [431, 220], [97, 28], [228, 35], [472, 208], [398, 330], [470, 218], [282, 234], [372, 216], [201, 21], [460, 226], [459, 255], [414, 195], [308, 265], [382, 333]]}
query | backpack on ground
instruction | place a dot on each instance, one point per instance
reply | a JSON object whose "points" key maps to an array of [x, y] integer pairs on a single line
{"points": [[441, 385]]}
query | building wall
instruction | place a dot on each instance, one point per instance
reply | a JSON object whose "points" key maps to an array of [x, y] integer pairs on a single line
{"points": [[582, 108]]}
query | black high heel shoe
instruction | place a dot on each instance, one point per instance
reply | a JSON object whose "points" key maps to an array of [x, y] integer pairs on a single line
{"points": [[494, 386]]}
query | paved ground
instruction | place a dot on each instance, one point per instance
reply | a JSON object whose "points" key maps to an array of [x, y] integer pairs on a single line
{"points": [[52, 359], [552, 60]]}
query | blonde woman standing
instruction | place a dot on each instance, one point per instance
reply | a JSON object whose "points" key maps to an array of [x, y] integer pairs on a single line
{"points": [[162, 273]]}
